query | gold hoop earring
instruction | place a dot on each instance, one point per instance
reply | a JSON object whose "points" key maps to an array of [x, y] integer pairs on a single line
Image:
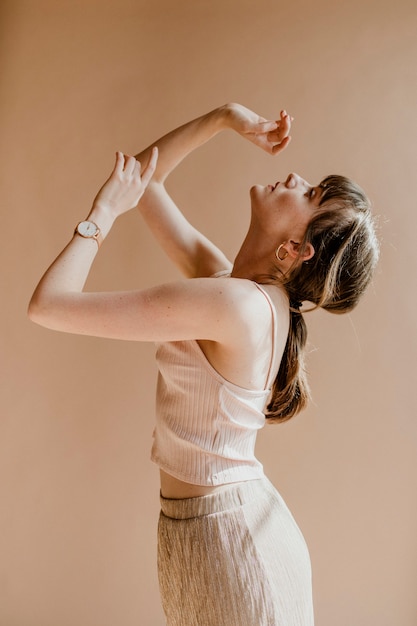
{"points": [[278, 250]]}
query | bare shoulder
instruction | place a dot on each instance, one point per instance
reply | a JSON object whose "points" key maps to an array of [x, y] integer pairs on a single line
{"points": [[255, 316], [222, 309], [258, 305], [228, 311]]}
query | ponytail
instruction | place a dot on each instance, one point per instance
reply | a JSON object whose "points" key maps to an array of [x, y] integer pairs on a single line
{"points": [[290, 391]]}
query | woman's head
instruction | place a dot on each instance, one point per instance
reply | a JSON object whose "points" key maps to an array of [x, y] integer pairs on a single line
{"points": [[342, 234], [282, 212]]}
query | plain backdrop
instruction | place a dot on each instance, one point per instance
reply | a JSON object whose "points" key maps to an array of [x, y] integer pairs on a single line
{"points": [[81, 79]]}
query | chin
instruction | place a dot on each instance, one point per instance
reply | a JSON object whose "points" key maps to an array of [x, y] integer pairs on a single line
{"points": [[256, 189]]}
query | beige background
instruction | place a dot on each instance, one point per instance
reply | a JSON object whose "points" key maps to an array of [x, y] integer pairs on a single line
{"points": [[78, 495]]}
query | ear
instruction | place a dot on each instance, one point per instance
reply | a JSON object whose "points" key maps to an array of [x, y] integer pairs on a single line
{"points": [[293, 249]]}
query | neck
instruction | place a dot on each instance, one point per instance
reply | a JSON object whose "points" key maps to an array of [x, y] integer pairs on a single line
{"points": [[246, 268], [256, 255], [249, 262]]}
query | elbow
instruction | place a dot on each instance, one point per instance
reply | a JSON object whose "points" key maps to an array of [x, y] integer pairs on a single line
{"points": [[33, 312], [45, 312], [37, 313]]}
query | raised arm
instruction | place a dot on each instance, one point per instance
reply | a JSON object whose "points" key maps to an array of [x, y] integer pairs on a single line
{"points": [[189, 249], [53, 299], [189, 309]]}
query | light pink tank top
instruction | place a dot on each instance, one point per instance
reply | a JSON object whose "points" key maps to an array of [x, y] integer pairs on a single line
{"points": [[206, 426]]}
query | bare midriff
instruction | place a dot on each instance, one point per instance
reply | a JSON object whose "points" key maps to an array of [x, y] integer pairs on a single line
{"points": [[178, 489]]}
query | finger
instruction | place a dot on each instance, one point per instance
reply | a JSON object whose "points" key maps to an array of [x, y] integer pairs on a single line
{"points": [[286, 121], [283, 129], [130, 163], [137, 170], [120, 160], [150, 168], [284, 113]]}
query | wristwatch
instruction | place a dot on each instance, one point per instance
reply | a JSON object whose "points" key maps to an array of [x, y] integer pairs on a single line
{"points": [[89, 230]]}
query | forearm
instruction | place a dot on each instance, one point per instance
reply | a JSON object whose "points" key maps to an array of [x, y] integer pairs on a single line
{"points": [[190, 251], [177, 144], [69, 272], [271, 136], [66, 277]]}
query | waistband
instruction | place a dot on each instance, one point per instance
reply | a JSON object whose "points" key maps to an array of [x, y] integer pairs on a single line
{"points": [[227, 498]]}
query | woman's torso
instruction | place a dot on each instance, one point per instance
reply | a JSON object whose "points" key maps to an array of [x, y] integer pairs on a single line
{"points": [[251, 364]]}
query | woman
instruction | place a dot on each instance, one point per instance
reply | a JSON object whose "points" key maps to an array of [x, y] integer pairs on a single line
{"points": [[230, 341]]}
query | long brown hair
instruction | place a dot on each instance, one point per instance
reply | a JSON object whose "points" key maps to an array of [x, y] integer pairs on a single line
{"points": [[342, 233]]}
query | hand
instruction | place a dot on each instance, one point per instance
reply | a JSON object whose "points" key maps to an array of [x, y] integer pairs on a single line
{"points": [[126, 184], [273, 137]]}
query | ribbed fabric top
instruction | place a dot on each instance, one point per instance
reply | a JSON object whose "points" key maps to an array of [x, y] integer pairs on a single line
{"points": [[206, 426]]}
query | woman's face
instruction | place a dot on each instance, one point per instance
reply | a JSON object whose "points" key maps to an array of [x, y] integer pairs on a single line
{"points": [[285, 208]]}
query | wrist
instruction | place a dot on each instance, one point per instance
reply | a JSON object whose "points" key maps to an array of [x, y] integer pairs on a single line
{"points": [[96, 225], [214, 121], [223, 116], [229, 114], [102, 216]]}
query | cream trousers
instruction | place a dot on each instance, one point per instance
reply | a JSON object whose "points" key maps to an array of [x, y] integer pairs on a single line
{"points": [[233, 558]]}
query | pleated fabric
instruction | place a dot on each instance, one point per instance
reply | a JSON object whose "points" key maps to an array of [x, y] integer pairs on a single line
{"points": [[233, 558]]}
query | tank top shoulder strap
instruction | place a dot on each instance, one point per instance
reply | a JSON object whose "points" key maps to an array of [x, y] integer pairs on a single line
{"points": [[268, 382]]}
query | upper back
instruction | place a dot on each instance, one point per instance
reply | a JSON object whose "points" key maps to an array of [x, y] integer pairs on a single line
{"points": [[251, 357]]}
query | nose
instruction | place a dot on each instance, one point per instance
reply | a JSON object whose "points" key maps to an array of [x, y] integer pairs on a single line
{"points": [[294, 180]]}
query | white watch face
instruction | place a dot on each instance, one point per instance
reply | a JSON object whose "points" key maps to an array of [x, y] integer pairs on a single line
{"points": [[87, 229]]}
